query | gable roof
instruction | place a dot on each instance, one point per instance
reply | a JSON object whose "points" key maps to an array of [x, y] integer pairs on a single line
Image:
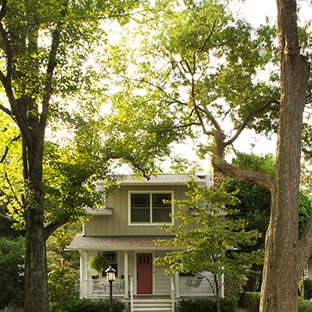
{"points": [[164, 179]]}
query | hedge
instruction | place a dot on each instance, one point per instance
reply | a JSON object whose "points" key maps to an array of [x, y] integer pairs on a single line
{"points": [[207, 305], [307, 288], [85, 305], [253, 301]]}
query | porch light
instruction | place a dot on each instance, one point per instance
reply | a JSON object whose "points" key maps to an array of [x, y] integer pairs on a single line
{"points": [[110, 274], [110, 277]]}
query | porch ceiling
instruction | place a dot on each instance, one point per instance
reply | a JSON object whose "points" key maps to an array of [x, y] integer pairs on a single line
{"points": [[81, 242]]}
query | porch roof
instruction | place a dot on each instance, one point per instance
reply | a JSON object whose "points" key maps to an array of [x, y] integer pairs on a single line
{"points": [[81, 242]]}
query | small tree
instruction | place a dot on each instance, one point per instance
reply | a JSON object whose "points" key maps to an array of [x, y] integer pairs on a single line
{"points": [[208, 240]]}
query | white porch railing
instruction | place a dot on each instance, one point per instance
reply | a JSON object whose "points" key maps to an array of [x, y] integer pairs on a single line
{"points": [[100, 288], [131, 294]]}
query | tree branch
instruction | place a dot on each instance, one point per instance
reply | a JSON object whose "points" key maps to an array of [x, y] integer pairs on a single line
{"points": [[12, 190], [304, 248], [50, 228], [49, 75], [210, 117], [7, 148], [7, 45], [6, 218], [248, 118], [6, 110], [244, 175]]}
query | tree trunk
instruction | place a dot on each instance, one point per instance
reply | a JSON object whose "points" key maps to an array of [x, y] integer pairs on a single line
{"points": [[282, 270], [285, 255], [36, 286]]}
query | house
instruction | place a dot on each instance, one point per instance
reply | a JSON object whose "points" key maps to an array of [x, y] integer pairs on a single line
{"points": [[125, 231]]}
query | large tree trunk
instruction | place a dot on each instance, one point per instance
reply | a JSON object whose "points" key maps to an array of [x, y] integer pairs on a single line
{"points": [[36, 287], [282, 269], [285, 255]]}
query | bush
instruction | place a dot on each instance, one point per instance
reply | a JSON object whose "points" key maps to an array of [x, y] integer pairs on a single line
{"points": [[253, 301], [207, 305], [304, 305], [307, 288], [85, 305], [11, 271], [62, 283]]}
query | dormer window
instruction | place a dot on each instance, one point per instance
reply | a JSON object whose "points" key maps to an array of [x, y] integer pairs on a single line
{"points": [[150, 207]]}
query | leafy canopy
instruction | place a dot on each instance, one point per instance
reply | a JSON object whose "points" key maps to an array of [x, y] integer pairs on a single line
{"points": [[208, 240]]}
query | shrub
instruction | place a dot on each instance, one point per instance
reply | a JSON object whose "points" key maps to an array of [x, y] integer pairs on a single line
{"points": [[253, 301], [207, 305], [85, 305], [307, 288], [11, 271], [62, 283], [304, 305]]}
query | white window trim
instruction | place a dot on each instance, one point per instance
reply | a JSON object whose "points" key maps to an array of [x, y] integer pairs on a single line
{"points": [[150, 223]]}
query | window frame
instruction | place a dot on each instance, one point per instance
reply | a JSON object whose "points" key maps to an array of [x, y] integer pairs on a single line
{"points": [[150, 223]]}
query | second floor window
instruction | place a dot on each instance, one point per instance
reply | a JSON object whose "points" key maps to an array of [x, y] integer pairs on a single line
{"points": [[150, 207]]}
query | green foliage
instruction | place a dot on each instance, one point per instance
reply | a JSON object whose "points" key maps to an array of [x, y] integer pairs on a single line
{"points": [[252, 301], [62, 283], [63, 266], [85, 305], [98, 263], [57, 243], [11, 269], [199, 65], [253, 162], [205, 237], [207, 305], [304, 305], [9, 308], [255, 201], [307, 282], [305, 211]]}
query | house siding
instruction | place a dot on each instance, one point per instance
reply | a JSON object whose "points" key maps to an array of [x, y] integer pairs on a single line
{"points": [[117, 223]]}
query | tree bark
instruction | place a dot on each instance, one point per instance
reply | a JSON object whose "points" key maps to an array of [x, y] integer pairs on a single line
{"points": [[282, 273], [36, 287], [285, 254]]}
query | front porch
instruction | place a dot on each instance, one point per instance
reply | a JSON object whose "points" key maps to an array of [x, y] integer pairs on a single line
{"points": [[155, 281], [138, 282]]}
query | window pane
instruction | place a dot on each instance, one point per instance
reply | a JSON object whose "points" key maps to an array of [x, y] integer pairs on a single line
{"points": [[140, 200], [161, 215], [158, 200], [140, 207], [140, 215], [161, 211]]}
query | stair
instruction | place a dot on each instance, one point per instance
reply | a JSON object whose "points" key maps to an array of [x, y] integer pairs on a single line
{"points": [[152, 304]]}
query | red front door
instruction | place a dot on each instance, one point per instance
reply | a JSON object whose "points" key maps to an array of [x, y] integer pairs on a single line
{"points": [[144, 273]]}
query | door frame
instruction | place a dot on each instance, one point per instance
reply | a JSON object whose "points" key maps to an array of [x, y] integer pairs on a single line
{"points": [[135, 273]]}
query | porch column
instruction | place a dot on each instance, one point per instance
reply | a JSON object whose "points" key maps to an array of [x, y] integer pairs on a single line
{"points": [[222, 286], [83, 273], [177, 284], [126, 273]]}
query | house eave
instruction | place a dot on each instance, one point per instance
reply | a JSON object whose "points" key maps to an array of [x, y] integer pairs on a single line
{"points": [[105, 211], [85, 243]]}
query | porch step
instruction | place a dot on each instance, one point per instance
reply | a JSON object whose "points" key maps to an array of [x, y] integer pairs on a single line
{"points": [[147, 305]]}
